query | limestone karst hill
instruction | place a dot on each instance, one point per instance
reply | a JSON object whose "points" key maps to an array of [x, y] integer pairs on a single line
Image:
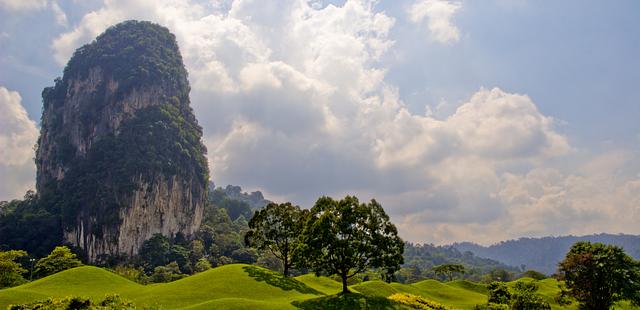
{"points": [[120, 155]]}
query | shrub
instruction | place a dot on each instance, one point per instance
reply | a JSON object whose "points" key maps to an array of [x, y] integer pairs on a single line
{"points": [[417, 302], [77, 303]]}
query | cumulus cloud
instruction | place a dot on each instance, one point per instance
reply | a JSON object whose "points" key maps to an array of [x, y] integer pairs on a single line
{"points": [[438, 14], [18, 135], [293, 100]]}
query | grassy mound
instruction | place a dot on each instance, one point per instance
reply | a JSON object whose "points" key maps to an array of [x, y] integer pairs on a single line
{"points": [[230, 282], [86, 281], [249, 287], [375, 288]]}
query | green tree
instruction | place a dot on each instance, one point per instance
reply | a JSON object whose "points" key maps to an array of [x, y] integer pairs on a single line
{"points": [[11, 271], [345, 237], [168, 273], [449, 270], [524, 297], [498, 293], [61, 258], [276, 228], [500, 275], [202, 265], [598, 275], [155, 251]]}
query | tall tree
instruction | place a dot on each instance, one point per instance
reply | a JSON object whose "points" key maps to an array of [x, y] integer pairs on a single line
{"points": [[276, 228], [11, 271], [449, 270], [598, 275], [346, 237]]}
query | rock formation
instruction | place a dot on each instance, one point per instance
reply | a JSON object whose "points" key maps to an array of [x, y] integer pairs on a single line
{"points": [[120, 155]]}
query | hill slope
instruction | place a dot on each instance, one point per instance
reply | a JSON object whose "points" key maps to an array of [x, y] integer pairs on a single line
{"points": [[249, 287]]}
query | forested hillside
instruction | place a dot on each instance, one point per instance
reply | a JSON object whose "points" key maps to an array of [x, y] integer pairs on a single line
{"points": [[420, 259], [543, 254]]}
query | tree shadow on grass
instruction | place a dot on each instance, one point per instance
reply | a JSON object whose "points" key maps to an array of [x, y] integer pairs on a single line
{"points": [[279, 280], [347, 301]]}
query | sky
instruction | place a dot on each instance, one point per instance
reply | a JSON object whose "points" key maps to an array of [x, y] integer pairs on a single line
{"points": [[468, 120]]}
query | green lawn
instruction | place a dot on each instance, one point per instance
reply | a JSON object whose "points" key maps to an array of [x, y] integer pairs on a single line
{"points": [[240, 286]]}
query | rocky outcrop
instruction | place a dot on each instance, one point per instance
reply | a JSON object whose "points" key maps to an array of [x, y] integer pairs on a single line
{"points": [[120, 155]]}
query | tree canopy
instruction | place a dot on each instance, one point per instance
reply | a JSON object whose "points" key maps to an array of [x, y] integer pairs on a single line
{"points": [[10, 270], [61, 258], [346, 237], [449, 270], [276, 228], [598, 275]]}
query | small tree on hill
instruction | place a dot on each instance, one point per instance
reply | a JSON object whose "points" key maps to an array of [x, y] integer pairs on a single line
{"points": [[61, 258], [276, 228], [345, 237], [449, 270], [525, 297], [11, 271], [598, 275]]}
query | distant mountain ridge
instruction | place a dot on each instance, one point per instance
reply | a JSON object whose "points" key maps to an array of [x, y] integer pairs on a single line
{"points": [[544, 254]]}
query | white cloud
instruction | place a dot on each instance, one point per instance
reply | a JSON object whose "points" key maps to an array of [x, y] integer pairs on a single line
{"points": [[60, 15], [23, 5], [18, 135], [438, 14], [293, 100]]}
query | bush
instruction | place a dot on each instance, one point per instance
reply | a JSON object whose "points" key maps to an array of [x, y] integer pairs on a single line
{"points": [[77, 303], [525, 297], [534, 275], [498, 293], [202, 265], [417, 302], [491, 306], [168, 273], [132, 273]]}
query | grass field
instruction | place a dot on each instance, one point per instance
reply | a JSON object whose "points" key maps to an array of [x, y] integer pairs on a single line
{"points": [[240, 286]]}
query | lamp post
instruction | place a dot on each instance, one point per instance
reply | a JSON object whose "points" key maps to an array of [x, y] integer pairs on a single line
{"points": [[32, 260]]}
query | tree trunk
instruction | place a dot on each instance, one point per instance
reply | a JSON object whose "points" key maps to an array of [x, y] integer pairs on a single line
{"points": [[345, 289], [286, 268]]}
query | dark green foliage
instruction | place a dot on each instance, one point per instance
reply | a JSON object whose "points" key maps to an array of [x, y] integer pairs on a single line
{"points": [[111, 302], [449, 270], [10, 270], [277, 228], [236, 202], [534, 275], [524, 297], [61, 258], [168, 273], [347, 237], [155, 251], [598, 275], [421, 258], [353, 301], [500, 275], [27, 225], [136, 54], [499, 293]]}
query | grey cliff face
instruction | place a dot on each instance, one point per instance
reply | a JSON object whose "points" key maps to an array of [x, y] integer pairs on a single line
{"points": [[120, 153]]}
